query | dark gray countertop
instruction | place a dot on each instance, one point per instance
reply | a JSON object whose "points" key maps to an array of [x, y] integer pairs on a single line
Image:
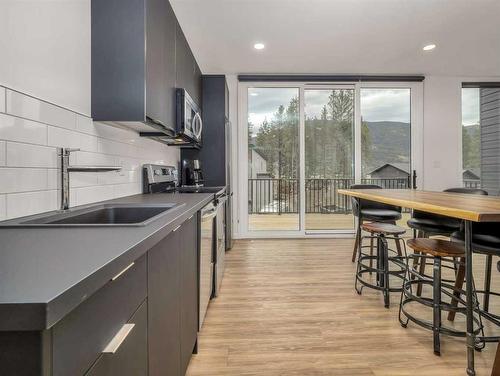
{"points": [[47, 272]]}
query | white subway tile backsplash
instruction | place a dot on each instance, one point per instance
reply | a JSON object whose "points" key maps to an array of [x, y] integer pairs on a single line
{"points": [[114, 132], [116, 148], [82, 179], [2, 99], [53, 179], [34, 109], [16, 129], [122, 190], [30, 131], [2, 153], [118, 177], [59, 137], [85, 158], [27, 155], [22, 204], [3, 208], [87, 195], [130, 163], [22, 179], [85, 124]]}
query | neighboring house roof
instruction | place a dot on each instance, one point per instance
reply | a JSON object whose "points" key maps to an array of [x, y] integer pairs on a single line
{"points": [[260, 152], [404, 167], [471, 174]]}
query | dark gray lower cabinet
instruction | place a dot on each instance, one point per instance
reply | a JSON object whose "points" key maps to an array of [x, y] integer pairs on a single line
{"points": [[158, 293], [131, 357], [79, 338], [164, 312], [189, 290], [173, 300]]}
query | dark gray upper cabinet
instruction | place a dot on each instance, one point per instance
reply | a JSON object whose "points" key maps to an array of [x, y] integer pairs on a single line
{"points": [[188, 72], [117, 60], [160, 61], [139, 57]]}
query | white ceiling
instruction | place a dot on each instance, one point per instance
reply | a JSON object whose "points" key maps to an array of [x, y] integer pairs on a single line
{"points": [[344, 36]]}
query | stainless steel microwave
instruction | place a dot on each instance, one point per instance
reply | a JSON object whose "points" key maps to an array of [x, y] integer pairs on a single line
{"points": [[189, 125]]}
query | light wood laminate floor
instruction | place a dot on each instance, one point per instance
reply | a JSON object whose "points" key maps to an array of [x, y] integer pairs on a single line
{"points": [[288, 307]]}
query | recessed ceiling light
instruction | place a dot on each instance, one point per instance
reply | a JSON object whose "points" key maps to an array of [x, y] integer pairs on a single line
{"points": [[429, 47], [259, 46]]}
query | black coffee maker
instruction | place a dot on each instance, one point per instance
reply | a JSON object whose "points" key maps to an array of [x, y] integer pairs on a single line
{"points": [[191, 173]]}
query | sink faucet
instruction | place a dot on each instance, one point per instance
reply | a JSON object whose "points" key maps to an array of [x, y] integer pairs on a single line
{"points": [[64, 154]]}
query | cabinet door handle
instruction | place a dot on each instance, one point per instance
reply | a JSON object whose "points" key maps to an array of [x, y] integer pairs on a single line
{"points": [[123, 271], [118, 339], [175, 229]]}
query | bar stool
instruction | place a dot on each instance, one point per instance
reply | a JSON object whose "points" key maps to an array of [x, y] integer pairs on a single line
{"points": [[381, 232], [443, 254], [486, 241], [371, 211], [426, 224]]}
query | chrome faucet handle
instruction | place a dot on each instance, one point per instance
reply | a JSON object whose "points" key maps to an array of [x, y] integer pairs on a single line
{"points": [[66, 151], [70, 150]]}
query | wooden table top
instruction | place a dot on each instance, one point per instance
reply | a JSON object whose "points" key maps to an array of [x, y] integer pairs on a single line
{"points": [[464, 206]]}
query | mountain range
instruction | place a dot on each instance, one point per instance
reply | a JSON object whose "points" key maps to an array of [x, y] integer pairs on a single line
{"points": [[390, 142]]}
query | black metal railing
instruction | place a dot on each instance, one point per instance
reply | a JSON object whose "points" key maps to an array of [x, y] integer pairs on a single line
{"points": [[271, 196]]}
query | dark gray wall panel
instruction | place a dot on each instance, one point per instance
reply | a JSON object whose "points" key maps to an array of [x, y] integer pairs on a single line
{"points": [[490, 139]]}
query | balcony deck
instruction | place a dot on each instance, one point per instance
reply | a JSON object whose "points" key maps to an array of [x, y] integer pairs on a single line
{"points": [[314, 221]]}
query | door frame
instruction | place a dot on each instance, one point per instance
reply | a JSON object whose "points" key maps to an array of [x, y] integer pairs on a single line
{"points": [[241, 196]]}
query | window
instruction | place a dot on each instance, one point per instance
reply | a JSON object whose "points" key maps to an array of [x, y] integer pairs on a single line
{"points": [[481, 137]]}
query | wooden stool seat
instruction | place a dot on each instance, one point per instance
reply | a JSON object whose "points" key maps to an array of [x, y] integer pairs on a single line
{"points": [[383, 228], [437, 247]]}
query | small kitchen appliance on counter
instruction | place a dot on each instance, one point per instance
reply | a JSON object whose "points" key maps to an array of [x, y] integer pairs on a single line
{"points": [[191, 174], [158, 179]]}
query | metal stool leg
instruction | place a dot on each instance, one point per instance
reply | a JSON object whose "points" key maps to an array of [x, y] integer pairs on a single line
{"points": [[384, 250], [371, 250], [436, 322], [357, 241], [487, 283], [459, 283]]}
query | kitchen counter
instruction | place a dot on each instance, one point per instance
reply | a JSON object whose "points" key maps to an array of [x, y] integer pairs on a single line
{"points": [[46, 272]]}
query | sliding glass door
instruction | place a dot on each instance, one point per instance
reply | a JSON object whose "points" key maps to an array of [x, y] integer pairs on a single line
{"points": [[302, 143], [329, 157], [273, 159]]}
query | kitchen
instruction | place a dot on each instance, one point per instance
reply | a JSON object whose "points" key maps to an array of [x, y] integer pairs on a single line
{"points": [[184, 192]]}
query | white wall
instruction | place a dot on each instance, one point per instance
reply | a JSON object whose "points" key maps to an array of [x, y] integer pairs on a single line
{"points": [[442, 139], [45, 50], [442, 132]]}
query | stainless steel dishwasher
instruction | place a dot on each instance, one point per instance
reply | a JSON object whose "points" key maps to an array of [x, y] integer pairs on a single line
{"points": [[208, 214], [219, 244]]}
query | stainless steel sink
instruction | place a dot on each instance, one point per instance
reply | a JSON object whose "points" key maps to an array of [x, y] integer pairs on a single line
{"points": [[97, 215]]}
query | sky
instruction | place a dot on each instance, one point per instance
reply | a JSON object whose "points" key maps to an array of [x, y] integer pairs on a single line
{"points": [[376, 104]]}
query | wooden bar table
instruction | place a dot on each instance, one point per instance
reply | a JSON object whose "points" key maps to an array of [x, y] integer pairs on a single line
{"points": [[470, 208]]}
